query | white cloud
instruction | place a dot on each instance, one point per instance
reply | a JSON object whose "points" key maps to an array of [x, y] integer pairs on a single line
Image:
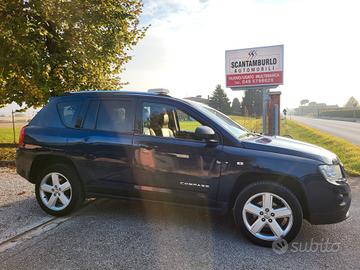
{"points": [[184, 48]]}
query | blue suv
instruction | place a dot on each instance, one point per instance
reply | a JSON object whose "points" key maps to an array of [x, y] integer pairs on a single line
{"points": [[155, 147]]}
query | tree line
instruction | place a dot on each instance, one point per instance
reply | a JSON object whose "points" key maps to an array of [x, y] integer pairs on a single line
{"points": [[251, 104]]}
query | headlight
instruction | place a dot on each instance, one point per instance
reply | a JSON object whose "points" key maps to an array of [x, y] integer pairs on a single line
{"points": [[332, 173]]}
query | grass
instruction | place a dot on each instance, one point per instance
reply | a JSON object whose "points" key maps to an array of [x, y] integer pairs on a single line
{"points": [[347, 152], [189, 125], [250, 123], [7, 136], [7, 154]]}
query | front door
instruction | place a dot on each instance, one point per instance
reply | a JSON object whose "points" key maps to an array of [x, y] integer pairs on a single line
{"points": [[169, 162]]}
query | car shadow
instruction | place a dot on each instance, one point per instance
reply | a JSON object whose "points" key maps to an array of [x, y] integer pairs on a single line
{"points": [[193, 218]]}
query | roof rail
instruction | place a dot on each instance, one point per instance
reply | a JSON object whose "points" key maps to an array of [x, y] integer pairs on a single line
{"points": [[159, 91]]}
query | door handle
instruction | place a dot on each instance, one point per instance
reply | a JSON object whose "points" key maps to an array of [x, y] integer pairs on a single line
{"points": [[147, 147], [184, 156]]}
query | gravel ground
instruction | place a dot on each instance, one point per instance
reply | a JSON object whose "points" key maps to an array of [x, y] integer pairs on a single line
{"points": [[117, 234], [18, 208]]}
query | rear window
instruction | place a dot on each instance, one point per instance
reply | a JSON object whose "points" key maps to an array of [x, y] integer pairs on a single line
{"points": [[69, 111], [115, 115]]}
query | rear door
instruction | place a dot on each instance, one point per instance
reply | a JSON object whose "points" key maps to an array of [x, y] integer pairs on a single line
{"points": [[169, 162], [103, 146]]}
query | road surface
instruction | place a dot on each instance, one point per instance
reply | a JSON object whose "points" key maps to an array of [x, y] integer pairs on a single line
{"points": [[349, 131], [116, 234]]}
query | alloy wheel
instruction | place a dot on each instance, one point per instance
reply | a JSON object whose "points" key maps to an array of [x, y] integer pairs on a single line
{"points": [[267, 216], [55, 191]]}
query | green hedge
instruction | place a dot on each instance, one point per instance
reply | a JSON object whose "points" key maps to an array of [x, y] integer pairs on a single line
{"points": [[341, 113]]}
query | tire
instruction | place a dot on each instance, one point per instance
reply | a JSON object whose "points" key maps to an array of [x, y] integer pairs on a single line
{"points": [[258, 222], [59, 190]]}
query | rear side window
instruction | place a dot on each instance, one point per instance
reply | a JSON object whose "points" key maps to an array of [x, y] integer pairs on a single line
{"points": [[68, 112], [115, 115]]}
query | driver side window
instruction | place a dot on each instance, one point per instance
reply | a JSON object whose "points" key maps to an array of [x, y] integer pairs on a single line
{"points": [[186, 122], [162, 120]]}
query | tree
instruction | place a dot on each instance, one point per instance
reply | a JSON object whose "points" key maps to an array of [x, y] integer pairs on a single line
{"points": [[236, 106], [219, 100], [304, 102], [252, 102], [48, 47], [351, 103]]}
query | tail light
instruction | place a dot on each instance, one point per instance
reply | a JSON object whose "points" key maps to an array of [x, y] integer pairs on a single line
{"points": [[21, 137]]}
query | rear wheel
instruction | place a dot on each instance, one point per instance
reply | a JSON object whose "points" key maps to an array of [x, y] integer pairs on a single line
{"points": [[59, 190], [266, 212]]}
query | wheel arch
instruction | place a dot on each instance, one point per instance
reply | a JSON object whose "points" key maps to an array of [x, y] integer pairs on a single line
{"points": [[292, 183], [43, 161]]}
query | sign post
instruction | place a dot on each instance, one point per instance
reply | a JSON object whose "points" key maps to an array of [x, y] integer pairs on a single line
{"points": [[256, 68], [265, 99]]}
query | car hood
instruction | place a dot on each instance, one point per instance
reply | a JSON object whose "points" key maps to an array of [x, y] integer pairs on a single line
{"points": [[287, 146]]}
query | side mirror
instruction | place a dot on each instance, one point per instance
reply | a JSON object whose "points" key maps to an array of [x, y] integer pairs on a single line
{"points": [[207, 134]]}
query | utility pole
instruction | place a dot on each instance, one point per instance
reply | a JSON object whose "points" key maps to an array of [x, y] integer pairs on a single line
{"points": [[13, 126]]}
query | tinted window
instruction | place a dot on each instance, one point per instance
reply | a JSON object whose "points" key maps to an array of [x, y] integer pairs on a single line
{"points": [[48, 116], [115, 115], [90, 119], [68, 112]]}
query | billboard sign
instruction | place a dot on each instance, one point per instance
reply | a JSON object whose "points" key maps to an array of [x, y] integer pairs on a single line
{"points": [[254, 67]]}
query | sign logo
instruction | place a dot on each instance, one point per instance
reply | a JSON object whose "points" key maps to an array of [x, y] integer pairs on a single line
{"points": [[280, 246], [252, 54]]}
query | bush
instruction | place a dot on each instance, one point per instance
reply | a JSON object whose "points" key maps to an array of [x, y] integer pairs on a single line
{"points": [[342, 113]]}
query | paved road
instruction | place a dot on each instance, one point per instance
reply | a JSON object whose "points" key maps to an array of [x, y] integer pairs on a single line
{"points": [[115, 234], [347, 130]]}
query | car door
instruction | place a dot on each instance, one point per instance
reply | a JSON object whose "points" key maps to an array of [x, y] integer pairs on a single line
{"points": [[169, 163], [103, 146]]}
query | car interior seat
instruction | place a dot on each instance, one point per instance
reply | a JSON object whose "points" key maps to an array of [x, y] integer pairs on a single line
{"points": [[165, 130]]}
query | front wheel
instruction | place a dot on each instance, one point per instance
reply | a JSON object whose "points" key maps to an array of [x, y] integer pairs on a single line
{"points": [[59, 190], [266, 212]]}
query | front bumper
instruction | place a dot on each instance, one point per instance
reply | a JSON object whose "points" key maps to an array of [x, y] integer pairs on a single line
{"points": [[330, 217], [329, 203]]}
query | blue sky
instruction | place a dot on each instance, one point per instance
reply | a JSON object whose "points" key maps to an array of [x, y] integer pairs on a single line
{"points": [[184, 49], [185, 45]]}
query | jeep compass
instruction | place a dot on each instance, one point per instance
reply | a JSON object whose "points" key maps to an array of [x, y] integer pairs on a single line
{"points": [[151, 146]]}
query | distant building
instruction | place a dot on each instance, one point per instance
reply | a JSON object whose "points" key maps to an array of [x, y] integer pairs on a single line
{"points": [[199, 98], [313, 109]]}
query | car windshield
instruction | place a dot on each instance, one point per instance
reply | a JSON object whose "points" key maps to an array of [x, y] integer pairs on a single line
{"points": [[226, 122]]}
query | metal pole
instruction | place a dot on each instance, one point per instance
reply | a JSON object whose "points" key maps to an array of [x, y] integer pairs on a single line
{"points": [[13, 125], [265, 107], [276, 120]]}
